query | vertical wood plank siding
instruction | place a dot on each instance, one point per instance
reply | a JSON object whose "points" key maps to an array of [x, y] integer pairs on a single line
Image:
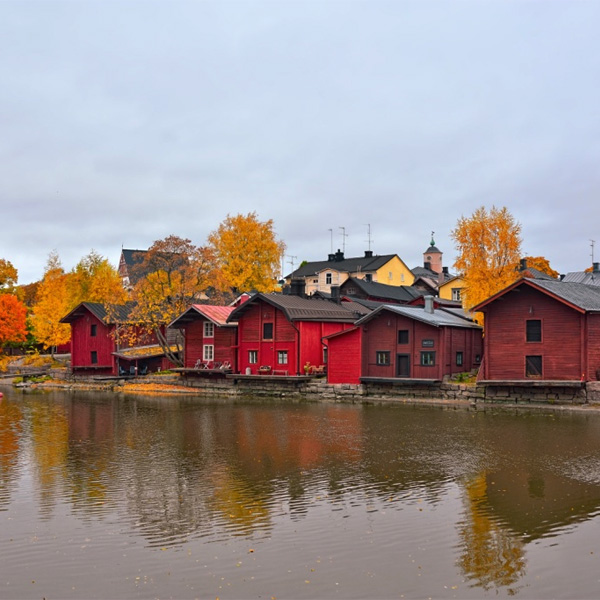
{"points": [[563, 336]]}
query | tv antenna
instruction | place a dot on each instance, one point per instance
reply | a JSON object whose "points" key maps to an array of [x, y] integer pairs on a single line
{"points": [[592, 242], [369, 240], [291, 261], [344, 236], [331, 232]]}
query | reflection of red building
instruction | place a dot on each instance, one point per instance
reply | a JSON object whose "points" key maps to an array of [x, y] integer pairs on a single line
{"points": [[281, 333], [96, 348], [411, 342], [209, 338]]}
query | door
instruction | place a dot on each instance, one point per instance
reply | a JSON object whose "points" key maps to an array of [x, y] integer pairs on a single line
{"points": [[403, 365]]}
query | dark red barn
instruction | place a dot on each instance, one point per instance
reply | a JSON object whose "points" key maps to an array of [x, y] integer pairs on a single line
{"points": [[537, 329], [97, 350], [280, 334], [209, 339], [412, 342]]}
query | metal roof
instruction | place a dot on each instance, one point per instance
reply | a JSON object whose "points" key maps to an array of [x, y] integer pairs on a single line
{"points": [[349, 265], [437, 318], [589, 278], [216, 314], [297, 308], [401, 293], [119, 313]]}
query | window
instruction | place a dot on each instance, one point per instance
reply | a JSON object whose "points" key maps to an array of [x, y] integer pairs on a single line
{"points": [[459, 359], [382, 357], [402, 277], [533, 329], [267, 331], [325, 355], [477, 358], [403, 336], [390, 275], [328, 278], [94, 357], [209, 329], [351, 291], [427, 359], [533, 366], [368, 277], [282, 357], [252, 356], [456, 294], [208, 352], [427, 343], [93, 330]]}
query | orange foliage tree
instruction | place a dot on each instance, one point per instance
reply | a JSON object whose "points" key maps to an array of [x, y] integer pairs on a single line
{"points": [[248, 252], [53, 303], [172, 275], [541, 264], [489, 247], [8, 274], [13, 315]]}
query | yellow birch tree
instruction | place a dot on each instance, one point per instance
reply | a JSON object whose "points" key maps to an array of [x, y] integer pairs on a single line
{"points": [[247, 252], [489, 247], [53, 303]]}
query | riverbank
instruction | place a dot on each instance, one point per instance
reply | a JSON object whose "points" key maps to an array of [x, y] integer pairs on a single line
{"points": [[521, 395]]}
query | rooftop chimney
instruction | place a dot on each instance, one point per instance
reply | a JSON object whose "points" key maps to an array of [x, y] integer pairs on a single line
{"points": [[335, 294], [523, 265], [368, 253], [339, 256], [595, 267], [297, 287], [428, 304]]}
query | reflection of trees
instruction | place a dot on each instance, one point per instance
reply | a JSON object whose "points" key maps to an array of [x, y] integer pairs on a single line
{"points": [[491, 556], [11, 427], [50, 441]]}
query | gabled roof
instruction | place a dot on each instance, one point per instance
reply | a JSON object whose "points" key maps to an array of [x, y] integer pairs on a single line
{"points": [[581, 297], [587, 277], [216, 314], [400, 293], [119, 313], [436, 318], [537, 274], [346, 265], [297, 308]]}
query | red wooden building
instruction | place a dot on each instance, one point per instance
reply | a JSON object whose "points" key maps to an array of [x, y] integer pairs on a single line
{"points": [[96, 350], [536, 329], [279, 334], [209, 339], [410, 342]]}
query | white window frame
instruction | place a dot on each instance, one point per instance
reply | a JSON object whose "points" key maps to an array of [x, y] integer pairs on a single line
{"points": [[208, 352], [209, 329], [252, 357], [456, 294], [282, 357]]}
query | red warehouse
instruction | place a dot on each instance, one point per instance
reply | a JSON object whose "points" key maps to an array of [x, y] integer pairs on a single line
{"points": [[209, 339], [536, 329], [411, 342], [280, 334]]}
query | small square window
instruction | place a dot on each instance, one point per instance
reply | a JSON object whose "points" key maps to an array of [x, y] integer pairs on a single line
{"points": [[403, 336], [282, 357], [208, 352], [252, 357], [427, 359], [328, 278], [209, 329], [456, 294], [459, 359], [94, 357], [533, 328], [382, 357], [267, 331], [93, 330]]}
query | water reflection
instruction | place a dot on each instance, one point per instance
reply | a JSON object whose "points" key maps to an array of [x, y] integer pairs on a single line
{"points": [[174, 471]]}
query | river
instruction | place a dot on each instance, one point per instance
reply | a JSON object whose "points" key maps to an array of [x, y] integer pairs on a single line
{"points": [[105, 496]]}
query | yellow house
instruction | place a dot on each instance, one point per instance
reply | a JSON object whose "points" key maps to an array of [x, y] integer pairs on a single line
{"points": [[452, 289], [319, 276]]}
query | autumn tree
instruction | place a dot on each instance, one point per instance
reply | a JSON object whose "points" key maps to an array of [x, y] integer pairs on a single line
{"points": [[172, 275], [53, 303], [94, 279], [8, 275], [541, 264], [248, 252], [13, 315], [489, 247]]}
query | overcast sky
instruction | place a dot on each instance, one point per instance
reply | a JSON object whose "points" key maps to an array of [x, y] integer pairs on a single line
{"points": [[125, 122]]}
